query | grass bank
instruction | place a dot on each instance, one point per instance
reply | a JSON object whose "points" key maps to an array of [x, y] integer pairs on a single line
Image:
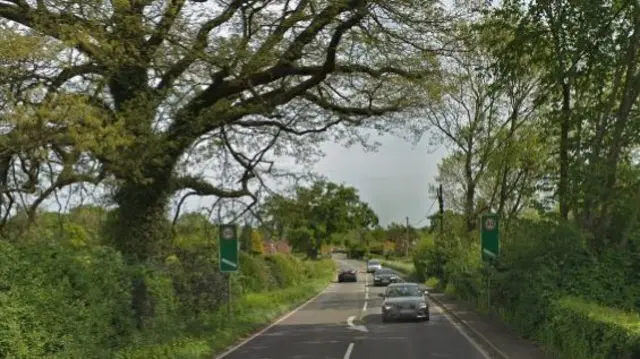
{"points": [[218, 331], [403, 266]]}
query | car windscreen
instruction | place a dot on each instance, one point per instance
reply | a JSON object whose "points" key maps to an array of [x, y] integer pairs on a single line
{"points": [[406, 291], [383, 271]]}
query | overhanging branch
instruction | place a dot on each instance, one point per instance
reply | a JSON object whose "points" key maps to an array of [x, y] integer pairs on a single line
{"points": [[169, 17], [65, 178], [51, 24], [197, 48], [204, 188], [185, 131], [349, 111], [251, 123], [71, 72]]}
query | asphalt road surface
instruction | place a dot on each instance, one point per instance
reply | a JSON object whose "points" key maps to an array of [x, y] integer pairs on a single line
{"points": [[344, 322]]}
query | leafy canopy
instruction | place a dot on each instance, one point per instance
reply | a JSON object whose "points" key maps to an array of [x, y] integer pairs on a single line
{"points": [[313, 214]]}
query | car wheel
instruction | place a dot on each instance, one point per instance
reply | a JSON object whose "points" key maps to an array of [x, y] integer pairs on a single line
{"points": [[385, 319], [427, 317]]}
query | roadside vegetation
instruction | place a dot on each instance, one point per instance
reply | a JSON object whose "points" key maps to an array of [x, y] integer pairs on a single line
{"points": [[66, 293], [542, 125], [138, 107]]}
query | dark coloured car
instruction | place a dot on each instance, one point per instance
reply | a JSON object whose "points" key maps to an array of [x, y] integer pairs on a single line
{"points": [[384, 276], [347, 275], [404, 300]]}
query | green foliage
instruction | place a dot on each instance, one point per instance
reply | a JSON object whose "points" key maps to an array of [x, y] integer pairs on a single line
{"points": [[577, 328], [63, 296], [132, 72], [315, 215], [286, 269], [542, 263], [255, 274], [56, 299], [356, 250], [400, 266]]}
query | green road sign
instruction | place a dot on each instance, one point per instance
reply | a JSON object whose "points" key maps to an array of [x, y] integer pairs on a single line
{"points": [[229, 253], [490, 236]]}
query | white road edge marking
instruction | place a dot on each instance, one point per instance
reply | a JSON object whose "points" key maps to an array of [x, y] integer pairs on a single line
{"points": [[347, 355], [461, 331], [366, 294], [282, 319]]}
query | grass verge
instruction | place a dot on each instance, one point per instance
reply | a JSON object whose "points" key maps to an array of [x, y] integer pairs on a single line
{"points": [[216, 331], [404, 267]]}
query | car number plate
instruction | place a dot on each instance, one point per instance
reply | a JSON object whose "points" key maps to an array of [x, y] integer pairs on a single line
{"points": [[406, 311]]}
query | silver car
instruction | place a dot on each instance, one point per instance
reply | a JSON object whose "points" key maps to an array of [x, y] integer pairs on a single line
{"points": [[373, 265], [404, 300]]}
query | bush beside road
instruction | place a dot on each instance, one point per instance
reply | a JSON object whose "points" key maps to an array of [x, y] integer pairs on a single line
{"points": [[560, 296], [404, 267], [64, 294]]}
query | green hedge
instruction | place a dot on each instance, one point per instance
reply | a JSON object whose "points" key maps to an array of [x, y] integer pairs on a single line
{"points": [[63, 301], [542, 264], [581, 329], [400, 266]]}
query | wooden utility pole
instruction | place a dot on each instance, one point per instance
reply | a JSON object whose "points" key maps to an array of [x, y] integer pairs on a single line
{"points": [[441, 208]]}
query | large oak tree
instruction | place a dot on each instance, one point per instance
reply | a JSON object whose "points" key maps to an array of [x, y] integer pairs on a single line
{"points": [[134, 86]]}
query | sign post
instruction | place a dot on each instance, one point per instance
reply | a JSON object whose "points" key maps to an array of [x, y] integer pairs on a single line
{"points": [[490, 244], [229, 256], [490, 238], [228, 249]]}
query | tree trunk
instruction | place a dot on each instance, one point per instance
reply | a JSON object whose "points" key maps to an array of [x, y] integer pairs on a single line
{"points": [[142, 233], [143, 230]]}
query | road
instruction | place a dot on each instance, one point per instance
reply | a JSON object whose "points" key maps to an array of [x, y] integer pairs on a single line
{"points": [[344, 322]]}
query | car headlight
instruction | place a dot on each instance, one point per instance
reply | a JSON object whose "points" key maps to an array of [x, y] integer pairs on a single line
{"points": [[376, 278], [423, 306], [387, 307]]}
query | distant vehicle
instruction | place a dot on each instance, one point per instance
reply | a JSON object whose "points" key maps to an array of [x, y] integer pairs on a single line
{"points": [[404, 300], [347, 275], [384, 276], [373, 265]]}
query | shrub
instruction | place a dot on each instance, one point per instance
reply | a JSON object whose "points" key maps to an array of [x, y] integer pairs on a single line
{"points": [[255, 274], [466, 273], [56, 300], [356, 251], [429, 258], [324, 268], [377, 248], [286, 269], [581, 329]]}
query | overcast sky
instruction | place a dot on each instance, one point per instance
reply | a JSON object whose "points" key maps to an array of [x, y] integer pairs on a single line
{"points": [[394, 180]]}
